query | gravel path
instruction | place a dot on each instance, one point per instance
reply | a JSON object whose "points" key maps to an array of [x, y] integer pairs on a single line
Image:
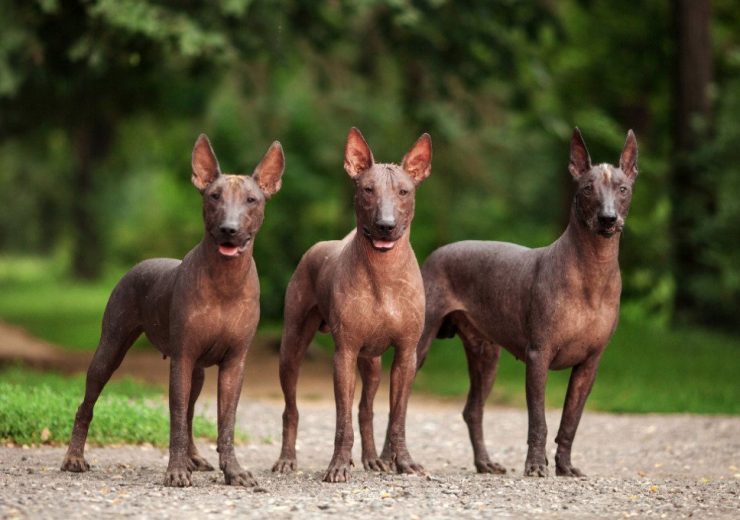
{"points": [[665, 466]]}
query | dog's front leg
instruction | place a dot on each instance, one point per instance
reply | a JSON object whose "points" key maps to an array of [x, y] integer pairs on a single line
{"points": [[370, 369], [536, 379], [181, 373], [580, 384], [230, 378], [402, 377], [345, 361]]}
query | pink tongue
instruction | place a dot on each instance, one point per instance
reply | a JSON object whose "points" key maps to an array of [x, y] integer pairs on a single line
{"points": [[383, 244], [228, 250]]}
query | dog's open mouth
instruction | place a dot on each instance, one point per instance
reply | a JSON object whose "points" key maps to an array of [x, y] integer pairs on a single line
{"points": [[379, 244], [229, 249], [383, 245], [608, 231]]}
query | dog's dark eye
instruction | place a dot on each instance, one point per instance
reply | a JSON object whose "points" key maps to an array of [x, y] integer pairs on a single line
{"points": [[251, 199], [623, 189], [403, 192], [588, 189], [368, 189], [215, 195]]}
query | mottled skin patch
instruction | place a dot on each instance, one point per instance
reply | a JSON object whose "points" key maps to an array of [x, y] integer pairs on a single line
{"points": [[200, 311], [367, 291], [553, 307]]}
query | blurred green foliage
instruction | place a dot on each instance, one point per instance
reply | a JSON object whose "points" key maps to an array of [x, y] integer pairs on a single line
{"points": [[499, 85]]}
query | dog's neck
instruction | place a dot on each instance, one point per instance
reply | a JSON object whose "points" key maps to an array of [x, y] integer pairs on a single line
{"points": [[226, 275], [594, 254], [381, 261]]}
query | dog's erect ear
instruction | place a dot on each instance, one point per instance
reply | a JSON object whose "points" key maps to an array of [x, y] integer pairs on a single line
{"points": [[205, 164], [628, 159], [357, 154], [269, 172], [580, 161], [418, 162]]}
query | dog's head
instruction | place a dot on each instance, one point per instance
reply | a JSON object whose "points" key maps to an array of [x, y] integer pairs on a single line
{"points": [[604, 192], [234, 205], [384, 192]]}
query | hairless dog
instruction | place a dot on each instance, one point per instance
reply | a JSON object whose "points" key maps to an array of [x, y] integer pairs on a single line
{"points": [[554, 307], [200, 312], [367, 290]]}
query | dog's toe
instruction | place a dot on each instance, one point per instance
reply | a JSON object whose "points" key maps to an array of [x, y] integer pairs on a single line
{"points": [[535, 470], [285, 466], [178, 478], [376, 464], [198, 463], [241, 478], [568, 471], [337, 473], [409, 467], [75, 464], [487, 466]]}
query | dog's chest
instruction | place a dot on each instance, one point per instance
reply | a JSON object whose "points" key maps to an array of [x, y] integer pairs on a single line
{"points": [[380, 317], [579, 332]]}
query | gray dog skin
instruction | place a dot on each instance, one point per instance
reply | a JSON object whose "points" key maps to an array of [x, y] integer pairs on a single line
{"points": [[200, 311], [367, 291], [554, 307]]}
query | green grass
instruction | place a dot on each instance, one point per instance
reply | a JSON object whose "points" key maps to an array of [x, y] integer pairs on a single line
{"points": [[36, 296], [39, 408], [644, 369]]}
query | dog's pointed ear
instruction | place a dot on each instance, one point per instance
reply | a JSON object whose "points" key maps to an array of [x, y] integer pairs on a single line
{"points": [[628, 159], [269, 172], [204, 162], [357, 154], [418, 162], [580, 161]]}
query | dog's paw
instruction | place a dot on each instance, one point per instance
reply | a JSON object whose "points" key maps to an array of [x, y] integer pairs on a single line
{"points": [[178, 477], [198, 463], [75, 464], [487, 466], [284, 465], [338, 471], [568, 471], [532, 469], [376, 464], [409, 467], [239, 478]]}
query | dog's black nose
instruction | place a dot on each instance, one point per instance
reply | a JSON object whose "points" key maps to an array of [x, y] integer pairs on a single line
{"points": [[385, 225], [607, 220], [228, 230]]}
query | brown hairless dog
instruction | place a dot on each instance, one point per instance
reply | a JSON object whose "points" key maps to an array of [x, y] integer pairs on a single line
{"points": [[199, 312], [367, 290], [554, 307]]}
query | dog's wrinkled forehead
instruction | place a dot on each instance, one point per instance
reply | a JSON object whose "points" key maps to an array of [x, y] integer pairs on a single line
{"points": [[386, 174], [604, 175], [236, 185]]}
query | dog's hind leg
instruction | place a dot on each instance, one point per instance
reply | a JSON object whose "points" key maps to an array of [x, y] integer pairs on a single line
{"points": [[483, 359], [298, 331], [370, 373], [197, 461], [121, 327]]}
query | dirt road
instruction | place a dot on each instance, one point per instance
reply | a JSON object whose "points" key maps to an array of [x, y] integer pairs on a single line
{"points": [[664, 466]]}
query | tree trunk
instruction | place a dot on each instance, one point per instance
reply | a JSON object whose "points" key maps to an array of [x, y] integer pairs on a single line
{"points": [[91, 141], [690, 196]]}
